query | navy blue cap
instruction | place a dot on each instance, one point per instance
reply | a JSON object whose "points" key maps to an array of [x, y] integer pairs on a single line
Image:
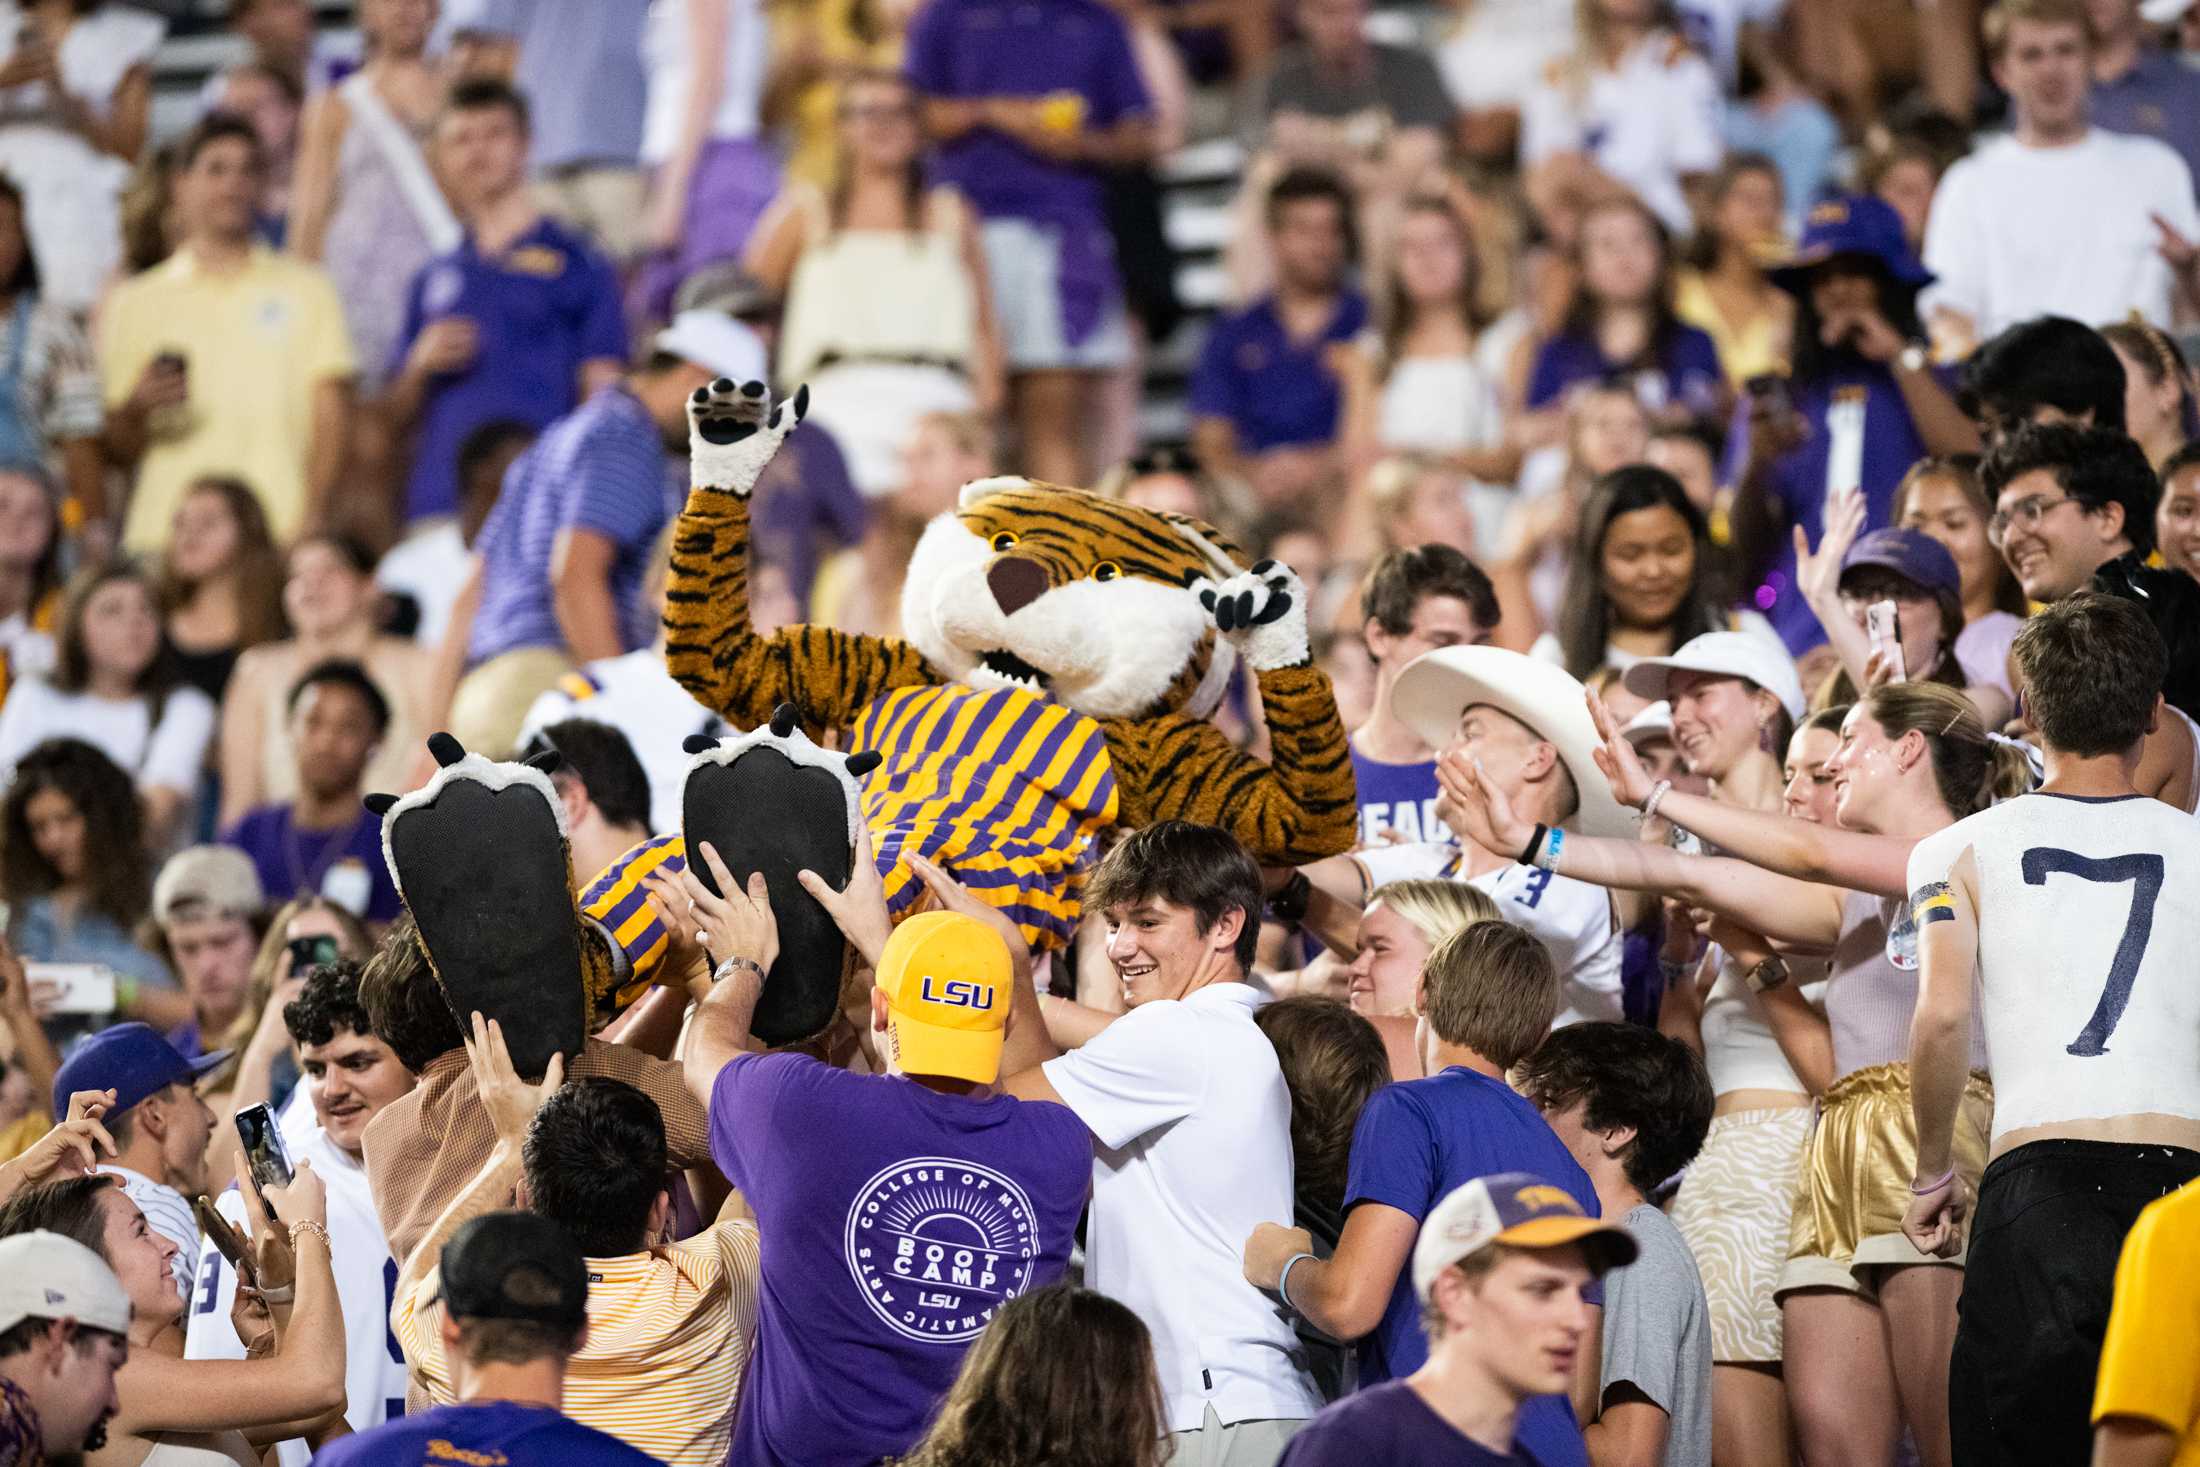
{"points": [[1856, 224], [515, 1265], [1910, 554], [130, 1059]]}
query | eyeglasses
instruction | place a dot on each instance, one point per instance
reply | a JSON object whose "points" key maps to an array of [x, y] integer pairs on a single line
{"points": [[2024, 514]]}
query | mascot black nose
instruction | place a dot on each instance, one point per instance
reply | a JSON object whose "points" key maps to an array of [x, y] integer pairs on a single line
{"points": [[1015, 583]]}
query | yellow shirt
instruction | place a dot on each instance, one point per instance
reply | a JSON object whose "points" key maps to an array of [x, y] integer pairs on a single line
{"points": [[669, 1332], [24, 1133], [1754, 348], [2150, 1361], [257, 342]]}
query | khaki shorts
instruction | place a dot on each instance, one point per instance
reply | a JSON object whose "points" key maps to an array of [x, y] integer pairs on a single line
{"points": [[1855, 1182], [1239, 1444], [604, 202], [491, 703]]}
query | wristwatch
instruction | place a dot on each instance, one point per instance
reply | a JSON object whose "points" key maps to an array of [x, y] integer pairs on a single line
{"points": [[1769, 974], [1915, 357], [1288, 902]]}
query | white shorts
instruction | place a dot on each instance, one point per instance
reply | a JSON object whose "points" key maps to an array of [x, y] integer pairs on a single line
{"points": [[1023, 260]]}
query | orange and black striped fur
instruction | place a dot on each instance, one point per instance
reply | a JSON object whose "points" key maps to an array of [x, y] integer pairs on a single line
{"points": [[1083, 601]]}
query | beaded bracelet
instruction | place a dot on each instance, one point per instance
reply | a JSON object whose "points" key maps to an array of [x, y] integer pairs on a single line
{"points": [[310, 1228]]}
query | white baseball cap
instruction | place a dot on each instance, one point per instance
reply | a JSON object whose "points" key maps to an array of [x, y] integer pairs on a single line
{"points": [[1437, 687], [1654, 722], [1515, 1208], [716, 342], [46, 1276], [2163, 12], [1723, 654]]}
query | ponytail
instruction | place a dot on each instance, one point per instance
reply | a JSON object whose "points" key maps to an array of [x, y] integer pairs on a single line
{"points": [[1969, 768], [2009, 770]]}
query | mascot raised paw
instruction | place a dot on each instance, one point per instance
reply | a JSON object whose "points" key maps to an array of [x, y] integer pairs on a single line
{"points": [[774, 802], [479, 855], [1061, 658]]}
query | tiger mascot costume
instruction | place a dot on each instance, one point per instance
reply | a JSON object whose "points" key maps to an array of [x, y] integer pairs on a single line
{"points": [[1061, 656]]}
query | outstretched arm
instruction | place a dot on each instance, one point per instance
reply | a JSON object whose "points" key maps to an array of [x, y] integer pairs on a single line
{"points": [[1799, 848], [1779, 907], [1291, 811], [710, 648]]}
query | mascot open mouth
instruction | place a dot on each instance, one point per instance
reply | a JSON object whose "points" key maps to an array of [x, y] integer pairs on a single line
{"points": [[1009, 665]]}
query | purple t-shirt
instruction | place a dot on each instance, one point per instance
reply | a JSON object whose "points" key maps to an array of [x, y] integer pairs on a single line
{"points": [[1397, 797], [543, 307], [294, 862], [1891, 445], [1391, 1424], [1686, 371], [1024, 48], [1417, 1141], [894, 1220]]}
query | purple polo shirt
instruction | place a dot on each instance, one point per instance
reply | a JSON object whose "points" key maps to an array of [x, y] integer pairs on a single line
{"points": [[1024, 48], [2158, 98], [1276, 392], [1686, 370], [543, 307]]}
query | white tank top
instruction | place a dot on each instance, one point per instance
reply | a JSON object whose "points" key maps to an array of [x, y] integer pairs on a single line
{"points": [[1738, 1048], [671, 70], [2089, 920], [879, 295]]}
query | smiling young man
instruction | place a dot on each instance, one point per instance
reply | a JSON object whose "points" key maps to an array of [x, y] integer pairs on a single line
{"points": [[1414, 601], [1191, 1125], [350, 1076], [2058, 217], [2068, 918], [1502, 1270], [2074, 511]]}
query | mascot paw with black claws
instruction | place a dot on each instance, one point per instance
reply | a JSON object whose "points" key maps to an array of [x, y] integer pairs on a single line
{"points": [[774, 802], [1263, 613], [733, 432], [479, 855]]}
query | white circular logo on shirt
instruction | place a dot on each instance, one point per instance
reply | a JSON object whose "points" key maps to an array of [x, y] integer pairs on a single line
{"points": [[937, 1245], [441, 289]]}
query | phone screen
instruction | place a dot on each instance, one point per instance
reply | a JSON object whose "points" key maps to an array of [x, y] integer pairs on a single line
{"points": [[308, 953], [264, 1151]]}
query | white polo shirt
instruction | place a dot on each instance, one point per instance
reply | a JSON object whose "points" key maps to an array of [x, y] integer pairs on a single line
{"points": [[1572, 918], [1188, 1105]]}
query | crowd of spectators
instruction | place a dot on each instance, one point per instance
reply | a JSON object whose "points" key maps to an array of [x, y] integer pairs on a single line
{"points": [[1743, 458]]}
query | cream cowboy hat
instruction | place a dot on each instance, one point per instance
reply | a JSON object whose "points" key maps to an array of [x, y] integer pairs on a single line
{"points": [[1437, 687]]}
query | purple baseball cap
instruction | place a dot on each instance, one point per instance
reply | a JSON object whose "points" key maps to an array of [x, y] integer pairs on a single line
{"points": [[130, 1059], [1860, 225], [1910, 554]]}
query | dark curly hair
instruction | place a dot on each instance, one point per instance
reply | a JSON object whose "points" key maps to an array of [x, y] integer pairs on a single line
{"points": [[403, 1000], [1631, 1077], [328, 1002], [2097, 467], [117, 875]]}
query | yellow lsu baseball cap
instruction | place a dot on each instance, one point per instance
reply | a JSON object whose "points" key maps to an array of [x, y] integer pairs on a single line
{"points": [[947, 980]]}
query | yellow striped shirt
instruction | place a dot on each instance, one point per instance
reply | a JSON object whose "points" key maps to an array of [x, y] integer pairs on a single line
{"points": [[669, 1332]]}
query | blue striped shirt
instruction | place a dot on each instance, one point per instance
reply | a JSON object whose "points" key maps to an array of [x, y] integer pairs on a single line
{"points": [[601, 467]]}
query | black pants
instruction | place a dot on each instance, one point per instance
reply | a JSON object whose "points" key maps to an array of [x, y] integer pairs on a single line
{"points": [[2039, 1279]]}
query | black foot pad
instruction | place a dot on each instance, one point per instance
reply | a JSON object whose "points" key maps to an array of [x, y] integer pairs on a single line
{"points": [[480, 857], [774, 802]]}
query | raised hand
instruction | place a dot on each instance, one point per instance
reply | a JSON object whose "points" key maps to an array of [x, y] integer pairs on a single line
{"points": [[1263, 613], [1479, 807], [1616, 758], [860, 911], [737, 923], [510, 1101], [1818, 574], [735, 430], [955, 897]]}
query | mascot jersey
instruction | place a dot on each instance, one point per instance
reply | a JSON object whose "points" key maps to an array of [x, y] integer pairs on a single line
{"points": [[1058, 666]]}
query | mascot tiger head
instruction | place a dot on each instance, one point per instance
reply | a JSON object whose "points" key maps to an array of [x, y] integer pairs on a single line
{"points": [[1085, 600]]}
